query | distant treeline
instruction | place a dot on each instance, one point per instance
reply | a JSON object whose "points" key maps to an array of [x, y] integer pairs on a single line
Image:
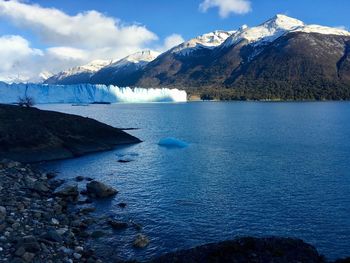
{"points": [[274, 91]]}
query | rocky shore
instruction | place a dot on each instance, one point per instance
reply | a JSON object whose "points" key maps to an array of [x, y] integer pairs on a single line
{"points": [[42, 219]]}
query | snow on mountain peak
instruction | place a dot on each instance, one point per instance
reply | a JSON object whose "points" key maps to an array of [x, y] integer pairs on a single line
{"points": [[209, 40], [266, 32], [139, 58], [91, 67], [275, 27]]}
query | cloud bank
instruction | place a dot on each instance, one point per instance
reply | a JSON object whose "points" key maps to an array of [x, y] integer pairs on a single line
{"points": [[69, 40], [226, 7]]}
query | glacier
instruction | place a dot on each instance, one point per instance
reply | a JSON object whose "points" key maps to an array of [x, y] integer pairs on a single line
{"points": [[87, 93]]}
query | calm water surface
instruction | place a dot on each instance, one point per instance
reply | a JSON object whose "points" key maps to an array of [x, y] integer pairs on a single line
{"points": [[250, 169]]}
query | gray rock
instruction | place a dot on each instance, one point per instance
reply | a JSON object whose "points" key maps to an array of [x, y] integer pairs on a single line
{"points": [[79, 178], [40, 187], [117, 224], [2, 213], [97, 234], [100, 190], [141, 241], [79, 249], [122, 205], [52, 235], [67, 191], [28, 257], [20, 251], [77, 255], [29, 243]]}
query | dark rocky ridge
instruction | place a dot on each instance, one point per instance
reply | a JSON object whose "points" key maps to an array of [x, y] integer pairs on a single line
{"points": [[249, 249], [32, 135]]}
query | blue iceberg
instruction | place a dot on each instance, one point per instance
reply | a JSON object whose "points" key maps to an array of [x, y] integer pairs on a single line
{"points": [[170, 142]]}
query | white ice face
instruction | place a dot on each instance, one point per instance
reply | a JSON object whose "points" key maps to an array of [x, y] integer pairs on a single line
{"points": [[86, 93]]}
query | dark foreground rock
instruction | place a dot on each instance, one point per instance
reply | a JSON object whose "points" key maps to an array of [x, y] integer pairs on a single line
{"points": [[33, 135], [247, 249], [97, 189]]}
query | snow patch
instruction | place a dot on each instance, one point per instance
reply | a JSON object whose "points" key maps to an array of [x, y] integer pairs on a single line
{"points": [[209, 40], [140, 59]]}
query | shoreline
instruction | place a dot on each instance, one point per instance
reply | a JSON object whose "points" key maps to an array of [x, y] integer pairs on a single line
{"points": [[45, 219]]}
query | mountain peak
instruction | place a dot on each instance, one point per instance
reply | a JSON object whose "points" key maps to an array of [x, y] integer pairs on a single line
{"points": [[283, 22], [208, 40], [140, 58], [277, 26]]}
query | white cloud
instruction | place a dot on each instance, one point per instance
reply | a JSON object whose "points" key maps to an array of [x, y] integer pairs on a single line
{"points": [[69, 40], [17, 58], [226, 7], [89, 29], [170, 42]]}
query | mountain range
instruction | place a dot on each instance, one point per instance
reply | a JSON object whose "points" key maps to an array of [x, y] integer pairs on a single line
{"points": [[283, 58]]}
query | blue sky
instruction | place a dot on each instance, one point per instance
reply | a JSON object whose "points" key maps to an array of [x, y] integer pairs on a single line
{"points": [[183, 16], [52, 35]]}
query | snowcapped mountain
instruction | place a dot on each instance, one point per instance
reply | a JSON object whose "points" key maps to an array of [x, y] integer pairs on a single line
{"points": [[139, 59], [277, 27], [76, 75], [281, 58], [97, 69], [123, 72], [209, 40]]}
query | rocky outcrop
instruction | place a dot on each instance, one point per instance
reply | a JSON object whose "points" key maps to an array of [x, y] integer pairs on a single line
{"points": [[248, 249], [100, 190], [33, 135]]}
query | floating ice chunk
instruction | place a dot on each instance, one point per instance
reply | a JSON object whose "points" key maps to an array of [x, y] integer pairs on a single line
{"points": [[170, 142]]}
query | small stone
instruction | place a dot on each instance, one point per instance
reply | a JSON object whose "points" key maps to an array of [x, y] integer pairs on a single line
{"points": [[20, 251], [124, 161], [78, 249], [68, 191], [122, 205], [117, 224], [53, 236], [87, 210], [55, 222], [79, 178], [65, 250], [61, 231], [51, 175], [40, 187], [2, 213], [28, 257], [77, 255], [141, 241], [12, 164], [97, 234]]}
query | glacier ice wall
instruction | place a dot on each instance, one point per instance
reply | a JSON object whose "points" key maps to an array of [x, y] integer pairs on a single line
{"points": [[87, 93]]}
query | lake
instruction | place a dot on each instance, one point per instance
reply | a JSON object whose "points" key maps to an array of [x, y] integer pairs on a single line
{"points": [[250, 168]]}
